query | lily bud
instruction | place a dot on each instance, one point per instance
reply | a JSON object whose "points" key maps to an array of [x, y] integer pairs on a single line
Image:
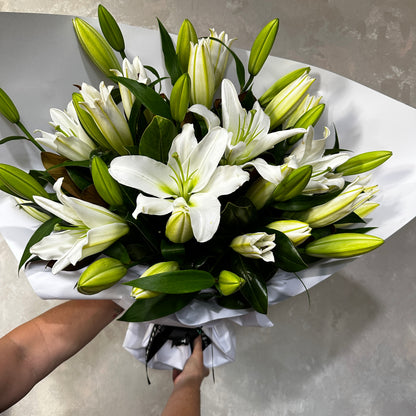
{"points": [[310, 101], [29, 209], [178, 227], [284, 102], [255, 245], [108, 189], [309, 118], [87, 122], [296, 231], [293, 184], [366, 209], [229, 283], [162, 267], [7, 108], [262, 46], [260, 192], [201, 73], [282, 83], [186, 35], [19, 183], [343, 245], [363, 162], [101, 275], [110, 29], [179, 98], [96, 47]]}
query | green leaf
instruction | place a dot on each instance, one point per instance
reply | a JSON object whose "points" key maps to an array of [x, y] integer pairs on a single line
{"points": [[134, 117], [254, 290], [286, 256], [147, 96], [172, 251], [11, 138], [154, 308], [361, 230], [175, 282], [236, 214], [241, 72], [157, 139], [169, 53], [45, 229], [118, 251], [78, 177], [351, 218]]}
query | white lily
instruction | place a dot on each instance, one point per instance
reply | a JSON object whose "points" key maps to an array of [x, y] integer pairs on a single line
{"points": [[311, 152], [136, 71], [248, 131], [255, 245], [219, 54], [108, 117], [93, 229], [189, 184], [69, 140]]}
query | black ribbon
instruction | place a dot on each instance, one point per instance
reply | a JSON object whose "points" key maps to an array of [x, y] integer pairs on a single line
{"points": [[177, 335]]}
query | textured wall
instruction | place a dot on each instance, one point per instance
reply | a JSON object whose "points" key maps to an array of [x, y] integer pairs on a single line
{"points": [[353, 352]]}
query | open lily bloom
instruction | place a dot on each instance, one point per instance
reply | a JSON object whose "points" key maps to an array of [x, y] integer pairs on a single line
{"points": [[248, 131], [92, 229], [191, 180], [70, 140], [311, 152], [132, 70]]}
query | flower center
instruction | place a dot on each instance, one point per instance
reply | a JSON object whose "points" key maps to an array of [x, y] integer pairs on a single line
{"points": [[185, 180]]}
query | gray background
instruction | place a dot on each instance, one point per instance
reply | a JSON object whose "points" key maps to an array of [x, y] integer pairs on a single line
{"points": [[353, 352]]}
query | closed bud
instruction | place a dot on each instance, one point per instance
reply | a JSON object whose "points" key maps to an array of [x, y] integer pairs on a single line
{"points": [[309, 118], [293, 184], [260, 192], [108, 189], [366, 209], [178, 227], [229, 283], [101, 275], [186, 35], [296, 231], [162, 267], [282, 83], [179, 98], [363, 162], [19, 183], [96, 47], [27, 206], [87, 122], [343, 245], [7, 108], [262, 46], [110, 29], [284, 102]]}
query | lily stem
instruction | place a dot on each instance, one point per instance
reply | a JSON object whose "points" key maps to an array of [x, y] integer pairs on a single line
{"points": [[29, 136]]}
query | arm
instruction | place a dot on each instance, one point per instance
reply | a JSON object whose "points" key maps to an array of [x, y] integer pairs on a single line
{"points": [[31, 351], [185, 399]]}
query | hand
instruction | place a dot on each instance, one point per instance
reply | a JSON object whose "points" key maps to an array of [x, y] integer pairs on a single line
{"points": [[194, 370]]}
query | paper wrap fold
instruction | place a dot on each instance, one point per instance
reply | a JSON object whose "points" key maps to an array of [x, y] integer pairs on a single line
{"points": [[365, 120]]}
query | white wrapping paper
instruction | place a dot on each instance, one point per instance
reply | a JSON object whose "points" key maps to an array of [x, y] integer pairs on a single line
{"points": [[365, 120]]}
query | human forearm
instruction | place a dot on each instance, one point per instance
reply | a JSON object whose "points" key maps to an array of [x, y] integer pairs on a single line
{"points": [[185, 400]]}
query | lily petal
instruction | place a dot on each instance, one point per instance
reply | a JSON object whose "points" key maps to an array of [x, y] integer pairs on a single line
{"points": [[209, 117], [225, 180], [152, 206]]}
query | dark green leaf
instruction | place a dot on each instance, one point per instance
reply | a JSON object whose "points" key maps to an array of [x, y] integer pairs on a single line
{"points": [[286, 256], [241, 72], [237, 214], [147, 96], [172, 251], [134, 118], [11, 138], [79, 163], [78, 177], [118, 251], [254, 290], [169, 53], [351, 218], [45, 229], [157, 139], [360, 230], [235, 301], [176, 282], [154, 308]]}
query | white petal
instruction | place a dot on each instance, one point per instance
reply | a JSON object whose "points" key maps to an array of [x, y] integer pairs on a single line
{"points": [[152, 206], [145, 174], [205, 212], [73, 255], [98, 239], [271, 173], [225, 180], [183, 145], [232, 111], [209, 117], [61, 211]]}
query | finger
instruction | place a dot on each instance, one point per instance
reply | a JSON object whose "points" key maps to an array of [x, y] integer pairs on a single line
{"points": [[197, 346]]}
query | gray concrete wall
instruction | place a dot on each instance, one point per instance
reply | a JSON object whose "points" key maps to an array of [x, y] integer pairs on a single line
{"points": [[353, 352]]}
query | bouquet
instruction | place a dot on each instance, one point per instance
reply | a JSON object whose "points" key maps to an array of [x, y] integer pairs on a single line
{"points": [[185, 189]]}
